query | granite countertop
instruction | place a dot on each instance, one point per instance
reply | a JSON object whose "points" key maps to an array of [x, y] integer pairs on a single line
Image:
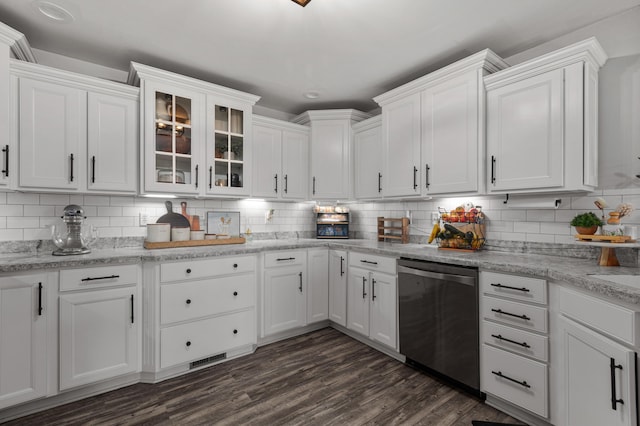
{"points": [[574, 271]]}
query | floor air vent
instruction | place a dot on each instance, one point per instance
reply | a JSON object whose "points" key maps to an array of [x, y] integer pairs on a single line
{"points": [[205, 361]]}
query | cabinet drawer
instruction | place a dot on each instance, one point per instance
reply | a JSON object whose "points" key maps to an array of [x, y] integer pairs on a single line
{"points": [[284, 258], [190, 300], [103, 276], [611, 319], [515, 313], [516, 340], [514, 287], [204, 268], [200, 339], [373, 262], [515, 379]]}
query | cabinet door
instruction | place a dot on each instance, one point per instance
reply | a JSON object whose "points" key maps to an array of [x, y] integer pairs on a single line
{"points": [[330, 159], [295, 165], [383, 309], [525, 133], [52, 138], [358, 301], [401, 136], [268, 183], [229, 147], [338, 286], [318, 281], [285, 299], [23, 334], [597, 371], [450, 137], [98, 335], [173, 139], [112, 143], [368, 163]]}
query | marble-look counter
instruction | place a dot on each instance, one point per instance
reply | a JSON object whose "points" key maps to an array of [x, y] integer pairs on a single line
{"points": [[576, 272]]}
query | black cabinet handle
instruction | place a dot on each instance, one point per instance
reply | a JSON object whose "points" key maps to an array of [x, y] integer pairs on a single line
{"points": [[39, 299], [499, 337], [526, 290], [379, 182], [415, 177], [210, 176], [364, 294], [109, 277], [276, 180], [427, 168], [188, 343], [93, 169], [614, 399], [6, 160], [341, 266], [132, 309], [281, 259], [286, 183], [197, 176], [314, 185], [493, 169], [188, 301], [300, 287], [235, 331], [369, 262], [500, 311], [235, 293], [188, 270], [521, 383], [373, 289], [235, 266], [71, 173]]}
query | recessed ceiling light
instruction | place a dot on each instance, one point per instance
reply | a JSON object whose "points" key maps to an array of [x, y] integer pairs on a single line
{"points": [[54, 11], [311, 95]]}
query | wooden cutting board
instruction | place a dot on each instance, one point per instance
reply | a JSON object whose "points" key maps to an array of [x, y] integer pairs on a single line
{"points": [[606, 238], [193, 243]]}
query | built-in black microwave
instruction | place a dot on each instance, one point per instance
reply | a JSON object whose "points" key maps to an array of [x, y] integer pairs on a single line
{"points": [[332, 225]]}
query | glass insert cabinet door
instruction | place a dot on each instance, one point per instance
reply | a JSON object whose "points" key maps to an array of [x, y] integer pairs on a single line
{"points": [[227, 162], [173, 153]]}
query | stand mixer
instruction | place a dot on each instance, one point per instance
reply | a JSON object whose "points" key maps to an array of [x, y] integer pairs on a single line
{"points": [[73, 237]]}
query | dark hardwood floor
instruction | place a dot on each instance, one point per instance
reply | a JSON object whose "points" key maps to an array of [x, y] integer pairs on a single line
{"points": [[321, 378]]}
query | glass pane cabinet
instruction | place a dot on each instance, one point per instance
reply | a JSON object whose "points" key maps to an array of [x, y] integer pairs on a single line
{"points": [[173, 139]]}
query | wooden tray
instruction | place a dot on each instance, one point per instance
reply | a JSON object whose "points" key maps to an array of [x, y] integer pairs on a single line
{"points": [[606, 238], [193, 243]]}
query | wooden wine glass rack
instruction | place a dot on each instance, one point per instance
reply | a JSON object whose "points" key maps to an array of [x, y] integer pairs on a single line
{"points": [[393, 229]]}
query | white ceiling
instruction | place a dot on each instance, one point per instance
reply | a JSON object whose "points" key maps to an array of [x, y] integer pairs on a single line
{"points": [[346, 50]]}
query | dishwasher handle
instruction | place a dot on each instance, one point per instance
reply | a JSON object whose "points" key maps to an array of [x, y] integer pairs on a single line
{"points": [[461, 279]]}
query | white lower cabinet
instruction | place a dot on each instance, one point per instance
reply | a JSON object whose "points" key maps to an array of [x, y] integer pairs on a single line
{"points": [[372, 298], [338, 286], [318, 285], [100, 317], [24, 350]]}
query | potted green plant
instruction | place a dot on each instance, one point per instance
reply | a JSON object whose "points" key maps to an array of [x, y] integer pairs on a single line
{"points": [[586, 223]]}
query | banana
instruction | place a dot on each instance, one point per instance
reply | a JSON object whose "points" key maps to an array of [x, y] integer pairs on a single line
{"points": [[435, 231]]}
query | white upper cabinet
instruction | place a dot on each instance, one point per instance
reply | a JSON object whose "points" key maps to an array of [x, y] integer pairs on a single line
{"points": [[196, 135], [367, 141], [331, 155], [542, 122], [432, 130], [281, 168], [73, 132]]}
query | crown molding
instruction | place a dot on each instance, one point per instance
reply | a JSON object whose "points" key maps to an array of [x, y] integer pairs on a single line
{"points": [[17, 42], [331, 114], [279, 124], [369, 123]]}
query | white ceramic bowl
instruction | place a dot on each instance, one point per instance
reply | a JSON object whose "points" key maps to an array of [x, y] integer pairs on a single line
{"points": [[180, 234], [158, 232], [197, 235]]}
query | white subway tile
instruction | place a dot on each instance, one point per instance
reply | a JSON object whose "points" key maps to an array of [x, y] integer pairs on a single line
{"points": [[98, 221], [541, 215], [97, 200], [122, 201], [528, 227], [139, 231], [54, 200], [540, 238], [11, 210], [76, 199], [11, 234], [513, 214], [3, 222], [37, 234], [23, 198], [109, 211], [23, 222], [122, 221], [513, 236], [3, 198], [109, 232], [30, 210]]}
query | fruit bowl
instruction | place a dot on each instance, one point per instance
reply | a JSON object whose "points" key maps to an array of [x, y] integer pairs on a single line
{"points": [[460, 231]]}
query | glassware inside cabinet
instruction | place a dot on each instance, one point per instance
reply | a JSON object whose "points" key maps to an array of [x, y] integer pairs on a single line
{"points": [[173, 138], [228, 147]]}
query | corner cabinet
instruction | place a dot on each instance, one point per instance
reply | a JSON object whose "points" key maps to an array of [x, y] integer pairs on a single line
{"points": [[331, 153], [73, 132], [282, 166], [196, 135], [542, 122]]}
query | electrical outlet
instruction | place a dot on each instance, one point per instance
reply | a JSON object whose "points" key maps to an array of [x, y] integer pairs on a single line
{"points": [[144, 219], [435, 217]]}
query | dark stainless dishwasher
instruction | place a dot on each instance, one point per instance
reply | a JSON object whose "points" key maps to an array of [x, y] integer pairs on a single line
{"points": [[438, 319]]}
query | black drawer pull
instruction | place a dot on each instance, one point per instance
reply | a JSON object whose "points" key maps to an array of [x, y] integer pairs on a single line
{"points": [[188, 343], [369, 262], [521, 383], [132, 309], [235, 293], [71, 168], [285, 258], [235, 266], [39, 299], [100, 278], [499, 337], [526, 290], [188, 301], [188, 270], [235, 331], [500, 311], [614, 400]]}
